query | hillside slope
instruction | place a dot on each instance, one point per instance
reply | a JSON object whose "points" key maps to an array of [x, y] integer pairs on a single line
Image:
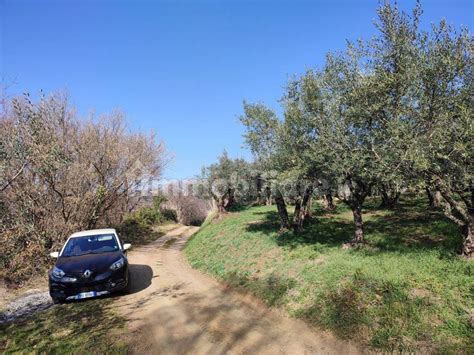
{"points": [[404, 290]]}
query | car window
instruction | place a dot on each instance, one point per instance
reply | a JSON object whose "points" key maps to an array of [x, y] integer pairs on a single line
{"points": [[91, 244]]}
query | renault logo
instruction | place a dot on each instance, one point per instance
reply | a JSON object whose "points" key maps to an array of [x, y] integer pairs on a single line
{"points": [[87, 273]]}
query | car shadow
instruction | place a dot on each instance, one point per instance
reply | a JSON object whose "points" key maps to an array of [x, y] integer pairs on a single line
{"points": [[139, 278]]}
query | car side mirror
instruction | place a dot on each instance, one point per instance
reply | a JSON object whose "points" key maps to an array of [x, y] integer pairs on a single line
{"points": [[127, 246], [54, 254]]}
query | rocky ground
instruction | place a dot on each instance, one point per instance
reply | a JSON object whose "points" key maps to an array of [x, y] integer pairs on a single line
{"points": [[32, 301]]}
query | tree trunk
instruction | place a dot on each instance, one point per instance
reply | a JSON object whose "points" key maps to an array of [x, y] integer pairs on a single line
{"points": [[461, 212], [220, 207], [229, 199], [282, 212], [301, 209], [268, 196], [309, 208], [389, 197], [468, 242], [328, 203], [297, 223], [220, 202], [359, 190], [434, 198], [359, 224]]}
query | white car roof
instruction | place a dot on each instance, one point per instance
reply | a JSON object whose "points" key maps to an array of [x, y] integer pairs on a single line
{"points": [[93, 232]]}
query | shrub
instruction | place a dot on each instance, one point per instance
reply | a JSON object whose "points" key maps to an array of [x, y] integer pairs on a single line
{"points": [[191, 210], [148, 216], [169, 214]]}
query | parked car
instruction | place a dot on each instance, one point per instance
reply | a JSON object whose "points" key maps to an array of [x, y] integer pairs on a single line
{"points": [[91, 263]]}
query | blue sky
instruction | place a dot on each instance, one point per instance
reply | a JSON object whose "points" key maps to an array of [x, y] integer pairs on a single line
{"points": [[182, 68]]}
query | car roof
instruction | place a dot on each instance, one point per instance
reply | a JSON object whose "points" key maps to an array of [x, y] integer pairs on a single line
{"points": [[93, 232]]}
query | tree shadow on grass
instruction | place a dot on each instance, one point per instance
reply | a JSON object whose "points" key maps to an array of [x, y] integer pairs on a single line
{"points": [[317, 231], [406, 230], [238, 207]]}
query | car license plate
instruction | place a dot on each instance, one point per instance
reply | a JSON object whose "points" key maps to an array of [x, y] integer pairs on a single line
{"points": [[86, 295]]}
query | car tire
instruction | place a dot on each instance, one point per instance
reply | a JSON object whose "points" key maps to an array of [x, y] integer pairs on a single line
{"points": [[126, 289], [57, 300]]}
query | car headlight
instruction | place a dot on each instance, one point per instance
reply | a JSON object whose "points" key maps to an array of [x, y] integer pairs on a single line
{"points": [[118, 264], [57, 273]]}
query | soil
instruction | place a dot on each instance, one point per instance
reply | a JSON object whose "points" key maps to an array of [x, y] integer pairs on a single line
{"points": [[174, 309]]}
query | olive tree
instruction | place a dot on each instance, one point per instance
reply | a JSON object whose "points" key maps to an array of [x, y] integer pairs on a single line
{"points": [[228, 181], [355, 111], [442, 126]]}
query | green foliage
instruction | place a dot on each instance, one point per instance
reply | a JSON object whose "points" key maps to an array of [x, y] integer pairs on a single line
{"points": [[131, 231], [262, 130], [404, 290], [158, 201], [148, 216], [140, 227], [229, 181]]}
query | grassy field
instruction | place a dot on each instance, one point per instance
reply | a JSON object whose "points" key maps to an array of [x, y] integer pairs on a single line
{"points": [[79, 327], [405, 290]]}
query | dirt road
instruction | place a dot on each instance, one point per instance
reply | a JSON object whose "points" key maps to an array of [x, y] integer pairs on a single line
{"points": [[174, 309]]}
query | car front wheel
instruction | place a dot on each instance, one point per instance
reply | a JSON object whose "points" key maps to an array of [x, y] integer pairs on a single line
{"points": [[57, 300]]}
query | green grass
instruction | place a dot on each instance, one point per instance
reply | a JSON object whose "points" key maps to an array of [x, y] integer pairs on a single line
{"points": [[79, 327], [405, 290]]}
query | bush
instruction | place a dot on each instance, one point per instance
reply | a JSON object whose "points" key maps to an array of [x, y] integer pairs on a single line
{"points": [[169, 214], [191, 211], [135, 231], [148, 216]]}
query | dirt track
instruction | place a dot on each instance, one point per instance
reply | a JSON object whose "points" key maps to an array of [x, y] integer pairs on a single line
{"points": [[174, 309]]}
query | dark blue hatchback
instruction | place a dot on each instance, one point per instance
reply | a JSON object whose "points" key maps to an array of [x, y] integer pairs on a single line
{"points": [[91, 263]]}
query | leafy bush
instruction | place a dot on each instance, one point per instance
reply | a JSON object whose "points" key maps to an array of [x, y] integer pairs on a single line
{"points": [[135, 231], [148, 216]]}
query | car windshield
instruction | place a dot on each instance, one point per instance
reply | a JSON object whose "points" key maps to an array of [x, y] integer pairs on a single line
{"points": [[91, 244]]}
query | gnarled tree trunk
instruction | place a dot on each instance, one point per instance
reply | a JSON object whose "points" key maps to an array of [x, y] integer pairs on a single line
{"points": [[434, 198], [282, 212], [268, 196], [468, 243], [358, 222], [358, 191], [301, 206], [461, 211], [309, 207], [390, 197], [328, 203]]}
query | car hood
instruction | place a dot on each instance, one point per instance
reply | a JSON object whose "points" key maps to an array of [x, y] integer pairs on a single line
{"points": [[92, 262]]}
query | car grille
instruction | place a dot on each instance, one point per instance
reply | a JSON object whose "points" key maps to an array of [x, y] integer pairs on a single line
{"points": [[80, 275]]}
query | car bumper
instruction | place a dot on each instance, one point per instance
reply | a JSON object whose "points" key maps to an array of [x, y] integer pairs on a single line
{"points": [[109, 282]]}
